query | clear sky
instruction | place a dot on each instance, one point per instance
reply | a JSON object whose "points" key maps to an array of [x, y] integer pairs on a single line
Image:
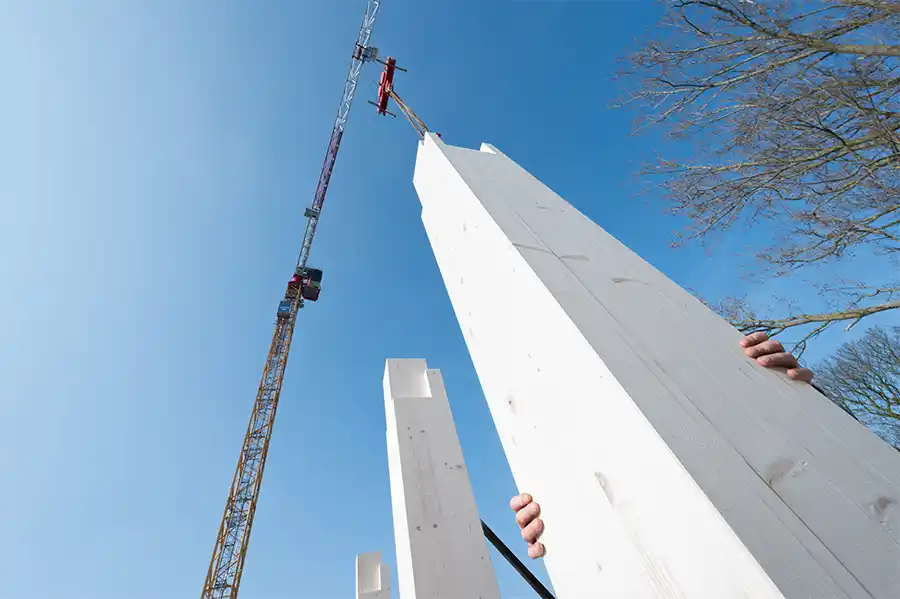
{"points": [[155, 160]]}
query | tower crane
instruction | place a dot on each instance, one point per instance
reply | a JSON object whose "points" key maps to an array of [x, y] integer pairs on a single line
{"points": [[223, 579]]}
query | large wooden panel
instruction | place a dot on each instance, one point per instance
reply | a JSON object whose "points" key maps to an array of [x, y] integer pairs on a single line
{"points": [[668, 464]]}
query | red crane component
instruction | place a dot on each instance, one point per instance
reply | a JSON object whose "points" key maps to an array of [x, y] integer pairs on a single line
{"points": [[386, 93], [386, 85]]}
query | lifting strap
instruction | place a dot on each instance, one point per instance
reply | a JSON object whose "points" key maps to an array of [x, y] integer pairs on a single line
{"points": [[411, 116], [516, 563]]}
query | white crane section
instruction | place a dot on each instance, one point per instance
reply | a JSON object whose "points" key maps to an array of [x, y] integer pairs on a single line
{"points": [[667, 463]]}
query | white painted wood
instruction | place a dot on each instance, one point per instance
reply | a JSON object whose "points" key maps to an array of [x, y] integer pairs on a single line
{"points": [[441, 550], [373, 580], [666, 462]]}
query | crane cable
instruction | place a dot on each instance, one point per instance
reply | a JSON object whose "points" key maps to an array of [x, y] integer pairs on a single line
{"points": [[523, 571], [410, 115]]}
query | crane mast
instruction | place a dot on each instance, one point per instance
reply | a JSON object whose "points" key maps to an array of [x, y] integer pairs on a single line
{"points": [[223, 578]]}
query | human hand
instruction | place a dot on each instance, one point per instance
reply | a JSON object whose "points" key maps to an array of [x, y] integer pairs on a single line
{"points": [[770, 353], [528, 514]]}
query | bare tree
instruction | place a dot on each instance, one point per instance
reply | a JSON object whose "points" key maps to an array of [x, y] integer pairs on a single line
{"points": [[846, 302], [794, 108], [863, 377]]}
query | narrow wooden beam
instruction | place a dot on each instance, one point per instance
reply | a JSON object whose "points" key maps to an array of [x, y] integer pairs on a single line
{"points": [[441, 550]]}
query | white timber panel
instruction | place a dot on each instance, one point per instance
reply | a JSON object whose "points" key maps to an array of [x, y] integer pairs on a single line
{"points": [[667, 463], [441, 549], [373, 579]]}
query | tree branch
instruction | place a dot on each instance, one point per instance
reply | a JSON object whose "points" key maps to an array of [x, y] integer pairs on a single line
{"points": [[776, 326]]}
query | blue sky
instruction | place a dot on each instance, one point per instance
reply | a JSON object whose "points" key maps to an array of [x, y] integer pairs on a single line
{"points": [[157, 157]]}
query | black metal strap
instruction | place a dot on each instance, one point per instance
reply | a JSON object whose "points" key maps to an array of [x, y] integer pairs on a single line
{"points": [[516, 563]]}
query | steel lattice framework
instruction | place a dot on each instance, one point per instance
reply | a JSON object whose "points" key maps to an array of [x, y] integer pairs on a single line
{"points": [[223, 578], [360, 56]]}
